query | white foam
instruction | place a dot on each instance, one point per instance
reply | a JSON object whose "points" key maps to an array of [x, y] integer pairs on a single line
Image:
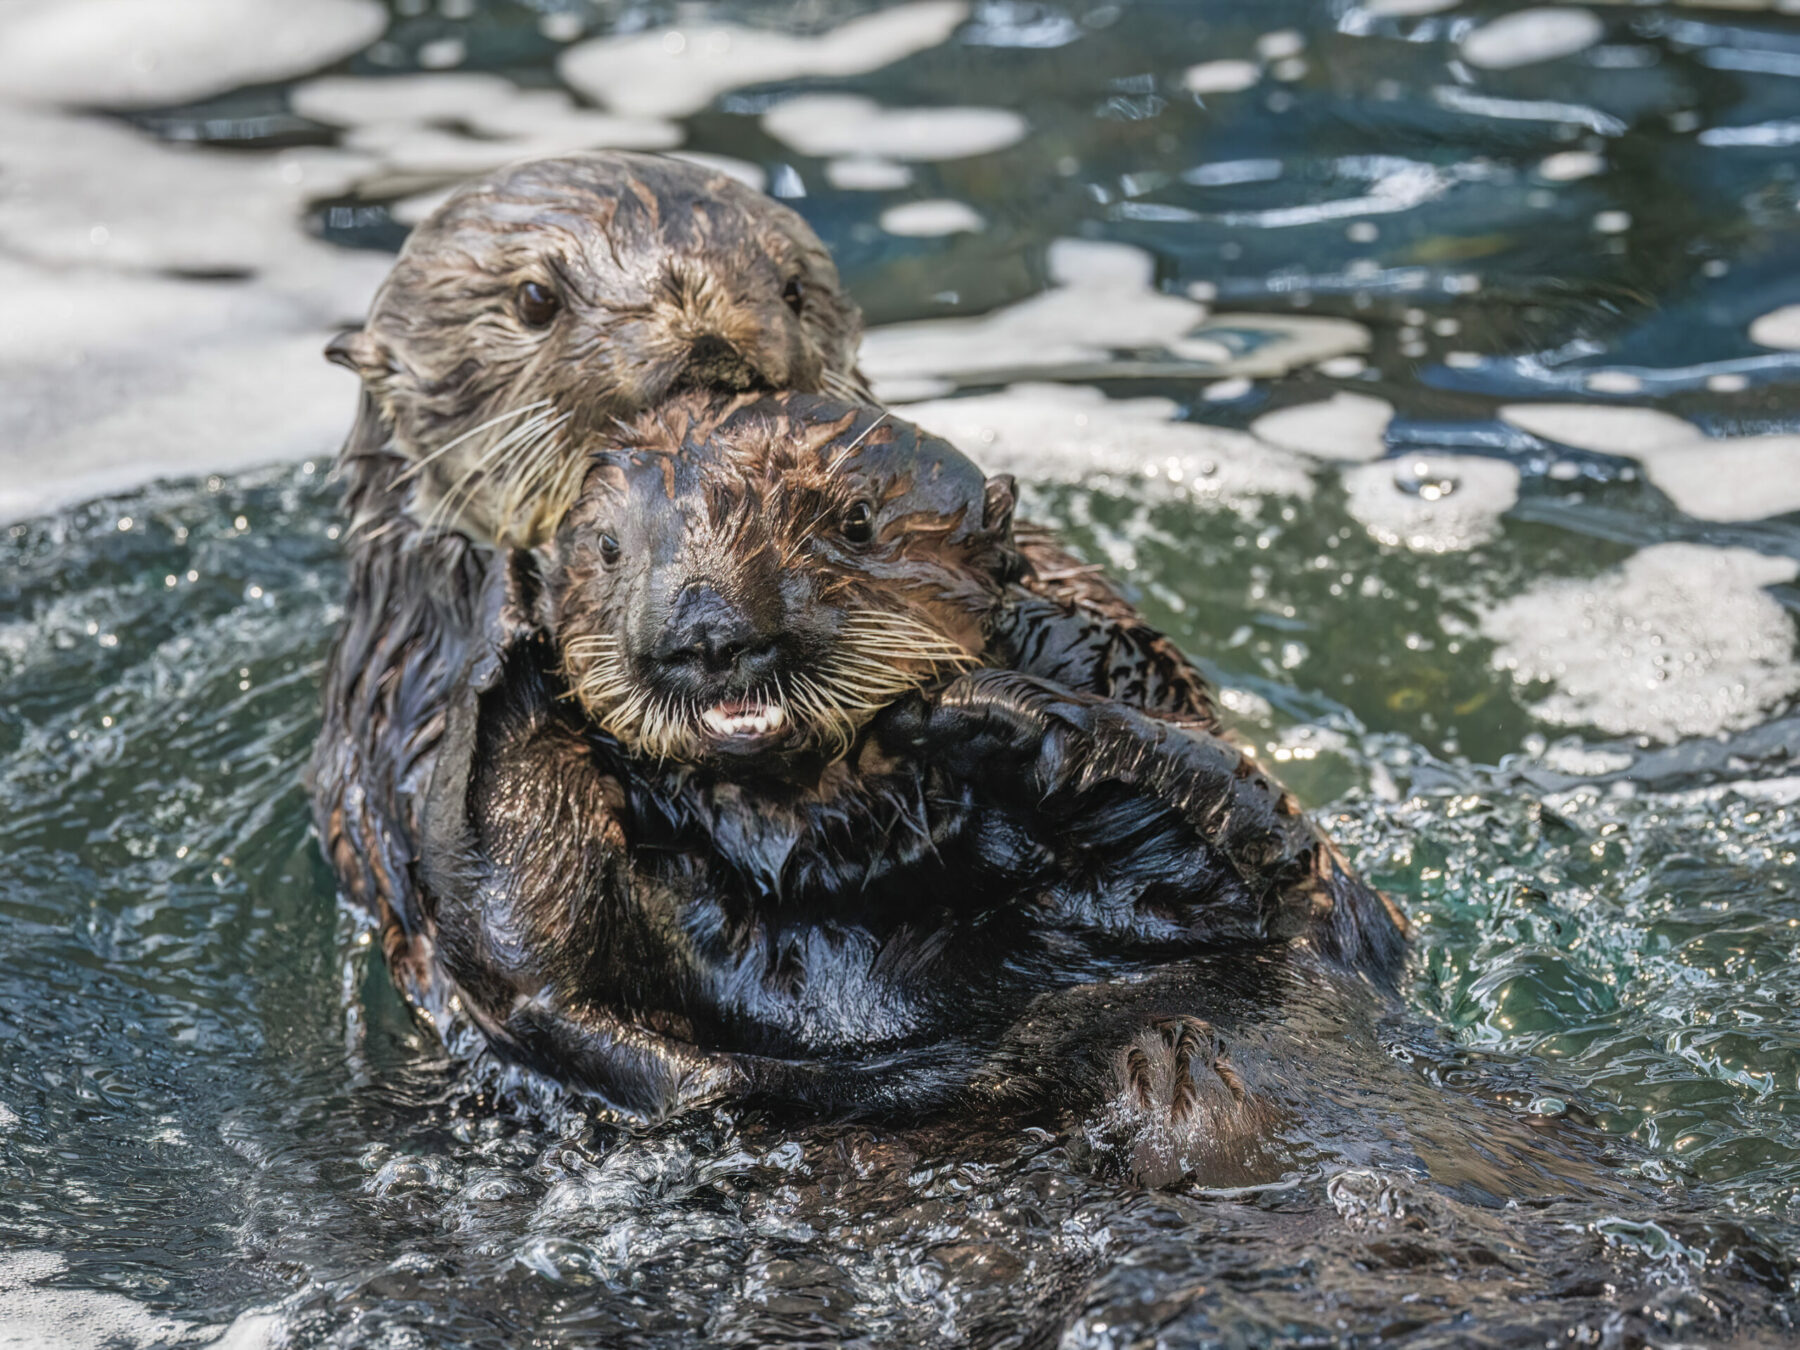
{"points": [[140, 53], [257, 1329], [1221, 77], [865, 173], [1103, 302], [410, 149], [1098, 264], [35, 1317], [8, 1117], [673, 72], [1281, 45], [1711, 478], [401, 123], [414, 209], [103, 195], [1528, 36], [848, 124], [1406, 9], [1681, 640], [1570, 756], [231, 399], [929, 219], [549, 116], [1778, 328], [354, 101], [1390, 184], [118, 372], [1055, 432], [1731, 477], [1565, 166], [1432, 503], [1345, 426], [1608, 430]]}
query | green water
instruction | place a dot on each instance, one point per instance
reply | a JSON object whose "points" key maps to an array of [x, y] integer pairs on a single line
{"points": [[214, 1111]]}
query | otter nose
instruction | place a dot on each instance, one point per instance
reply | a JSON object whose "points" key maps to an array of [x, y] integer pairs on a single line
{"points": [[706, 631], [715, 363], [711, 350]]}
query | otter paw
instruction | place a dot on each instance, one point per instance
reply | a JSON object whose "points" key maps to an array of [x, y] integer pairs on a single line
{"points": [[979, 716], [1178, 1106]]}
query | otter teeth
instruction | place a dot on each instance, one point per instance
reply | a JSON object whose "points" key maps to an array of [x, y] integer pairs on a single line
{"points": [[743, 719]]}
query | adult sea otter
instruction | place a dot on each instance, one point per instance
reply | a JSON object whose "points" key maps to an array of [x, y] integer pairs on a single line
{"points": [[533, 308]]}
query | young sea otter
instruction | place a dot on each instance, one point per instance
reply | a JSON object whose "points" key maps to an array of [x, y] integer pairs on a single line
{"points": [[778, 787], [533, 308]]}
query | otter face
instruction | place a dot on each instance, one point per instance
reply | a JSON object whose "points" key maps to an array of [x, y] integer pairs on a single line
{"points": [[748, 578], [540, 303]]}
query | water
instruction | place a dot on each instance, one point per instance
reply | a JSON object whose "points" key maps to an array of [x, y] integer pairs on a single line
{"points": [[1554, 715]]}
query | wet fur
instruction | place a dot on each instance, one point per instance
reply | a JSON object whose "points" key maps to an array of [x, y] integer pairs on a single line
{"points": [[661, 252], [871, 929], [469, 432]]}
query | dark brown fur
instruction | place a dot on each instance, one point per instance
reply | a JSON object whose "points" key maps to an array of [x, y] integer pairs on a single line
{"points": [[848, 912], [668, 276]]}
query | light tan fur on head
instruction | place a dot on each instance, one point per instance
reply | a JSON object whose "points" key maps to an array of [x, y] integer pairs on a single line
{"points": [[551, 297]]}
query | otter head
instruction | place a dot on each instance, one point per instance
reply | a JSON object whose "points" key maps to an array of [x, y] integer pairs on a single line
{"points": [[750, 578], [545, 300]]}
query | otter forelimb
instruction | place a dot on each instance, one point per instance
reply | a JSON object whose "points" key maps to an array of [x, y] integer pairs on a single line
{"points": [[1158, 826]]}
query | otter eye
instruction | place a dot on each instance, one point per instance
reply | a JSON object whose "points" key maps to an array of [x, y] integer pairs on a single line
{"points": [[609, 549], [795, 294], [859, 523], [537, 304]]}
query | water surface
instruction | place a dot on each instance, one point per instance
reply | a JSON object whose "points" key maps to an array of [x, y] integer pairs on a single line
{"points": [[1536, 669]]}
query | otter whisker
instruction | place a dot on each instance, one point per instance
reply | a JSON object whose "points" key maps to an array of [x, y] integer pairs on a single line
{"points": [[419, 465], [821, 713], [525, 434], [542, 485], [842, 457], [846, 387], [466, 484]]}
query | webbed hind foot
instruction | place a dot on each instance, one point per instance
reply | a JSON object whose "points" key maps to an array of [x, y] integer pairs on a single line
{"points": [[1177, 1105]]}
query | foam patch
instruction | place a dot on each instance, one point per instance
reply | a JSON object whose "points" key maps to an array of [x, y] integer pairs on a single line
{"points": [[1432, 503], [1344, 426], [928, 219], [1528, 36], [674, 72], [1710, 478], [1681, 640], [33, 1314], [1221, 77], [825, 125], [144, 53], [102, 195], [1778, 328], [1055, 432], [865, 173], [1102, 318]]}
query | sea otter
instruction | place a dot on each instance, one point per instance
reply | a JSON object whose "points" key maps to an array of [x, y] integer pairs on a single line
{"points": [[776, 786], [529, 311]]}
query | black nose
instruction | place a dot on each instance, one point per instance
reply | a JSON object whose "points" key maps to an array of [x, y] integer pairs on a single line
{"points": [[708, 634], [712, 350], [714, 363]]}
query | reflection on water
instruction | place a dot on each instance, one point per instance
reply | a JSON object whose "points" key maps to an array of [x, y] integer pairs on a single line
{"points": [[1428, 372]]}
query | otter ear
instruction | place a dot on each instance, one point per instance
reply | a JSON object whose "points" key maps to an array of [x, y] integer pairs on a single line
{"points": [[997, 501], [357, 350]]}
